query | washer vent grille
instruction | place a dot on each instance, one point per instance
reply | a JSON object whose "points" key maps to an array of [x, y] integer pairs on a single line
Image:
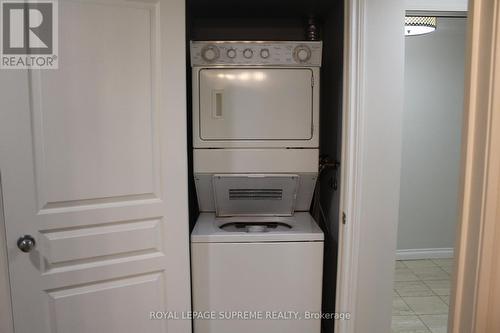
{"points": [[255, 194]]}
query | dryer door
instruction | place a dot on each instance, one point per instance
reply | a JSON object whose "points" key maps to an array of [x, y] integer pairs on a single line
{"points": [[256, 104]]}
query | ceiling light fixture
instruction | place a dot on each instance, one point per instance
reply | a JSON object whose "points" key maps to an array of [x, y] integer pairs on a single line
{"points": [[419, 25]]}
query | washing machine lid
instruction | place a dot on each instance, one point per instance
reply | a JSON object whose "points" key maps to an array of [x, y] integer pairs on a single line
{"points": [[300, 227], [255, 194]]}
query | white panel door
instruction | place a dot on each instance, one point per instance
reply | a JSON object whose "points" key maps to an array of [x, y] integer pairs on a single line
{"points": [[93, 166]]}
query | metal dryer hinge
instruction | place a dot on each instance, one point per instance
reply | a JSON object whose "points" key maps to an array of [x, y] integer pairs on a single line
{"points": [[344, 218]]}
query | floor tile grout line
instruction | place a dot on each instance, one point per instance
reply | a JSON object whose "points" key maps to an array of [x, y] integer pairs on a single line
{"points": [[434, 295], [422, 297], [445, 272], [423, 322], [424, 282], [408, 306], [432, 291], [447, 303], [437, 263], [430, 329], [418, 317]]}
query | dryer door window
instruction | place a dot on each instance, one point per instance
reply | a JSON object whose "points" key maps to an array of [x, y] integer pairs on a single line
{"points": [[256, 104]]}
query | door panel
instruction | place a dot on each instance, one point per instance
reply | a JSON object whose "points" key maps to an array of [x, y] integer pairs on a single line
{"points": [[59, 246], [94, 117], [87, 168], [88, 308], [251, 104]]}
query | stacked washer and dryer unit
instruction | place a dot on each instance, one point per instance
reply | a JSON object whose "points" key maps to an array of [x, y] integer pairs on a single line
{"points": [[257, 253]]}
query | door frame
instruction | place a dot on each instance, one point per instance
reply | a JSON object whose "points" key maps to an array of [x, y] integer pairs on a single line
{"points": [[468, 273], [475, 301], [348, 253], [364, 96], [355, 111]]}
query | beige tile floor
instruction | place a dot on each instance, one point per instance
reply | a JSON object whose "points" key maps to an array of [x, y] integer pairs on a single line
{"points": [[421, 296]]}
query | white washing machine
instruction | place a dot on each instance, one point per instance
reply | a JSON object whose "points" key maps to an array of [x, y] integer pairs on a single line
{"points": [[256, 252], [267, 266]]}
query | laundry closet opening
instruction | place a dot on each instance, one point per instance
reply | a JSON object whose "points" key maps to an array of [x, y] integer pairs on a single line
{"points": [[276, 21]]}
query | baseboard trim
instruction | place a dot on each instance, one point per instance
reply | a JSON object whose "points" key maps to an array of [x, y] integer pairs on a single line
{"points": [[435, 253]]}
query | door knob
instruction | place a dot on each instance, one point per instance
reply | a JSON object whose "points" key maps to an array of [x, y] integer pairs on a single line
{"points": [[26, 243]]}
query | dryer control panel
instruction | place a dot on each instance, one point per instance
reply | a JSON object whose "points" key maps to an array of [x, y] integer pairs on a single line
{"points": [[296, 53]]}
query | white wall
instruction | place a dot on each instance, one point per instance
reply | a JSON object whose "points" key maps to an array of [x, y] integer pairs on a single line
{"points": [[437, 5], [432, 122]]}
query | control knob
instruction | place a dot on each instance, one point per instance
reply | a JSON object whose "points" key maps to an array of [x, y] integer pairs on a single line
{"points": [[302, 53], [248, 53], [231, 53], [264, 53], [210, 53]]}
